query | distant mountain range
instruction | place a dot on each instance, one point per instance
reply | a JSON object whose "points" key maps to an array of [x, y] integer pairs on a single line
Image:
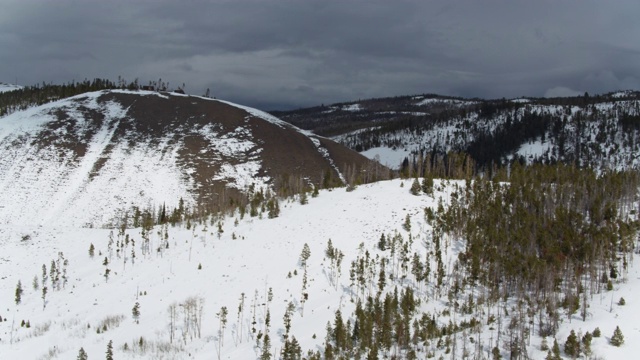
{"points": [[600, 131]]}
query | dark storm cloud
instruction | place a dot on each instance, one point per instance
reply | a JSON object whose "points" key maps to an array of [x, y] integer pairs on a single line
{"points": [[276, 54]]}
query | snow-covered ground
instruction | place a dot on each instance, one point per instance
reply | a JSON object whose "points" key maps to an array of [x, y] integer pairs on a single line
{"points": [[534, 149], [246, 259], [391, 158]]}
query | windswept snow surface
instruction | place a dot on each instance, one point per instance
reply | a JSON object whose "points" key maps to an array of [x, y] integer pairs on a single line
{"points": [[247, 258]]}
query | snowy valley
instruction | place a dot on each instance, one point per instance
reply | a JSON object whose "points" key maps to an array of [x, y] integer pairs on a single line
{"points": [[250, 266]]}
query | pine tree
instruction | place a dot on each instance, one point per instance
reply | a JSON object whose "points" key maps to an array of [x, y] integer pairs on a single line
{"points": [[222, 317], [44, 297], [617, 339], [136, 312], [82, 355], [339, 334], [407, 223], [427, 185], [586, 344], [597, 332], [556, 350], [572, 345], [415, 187], [382, 244], [35, 284], [110, 350], [266, 348], [304, 256], [92, 250], [19, 293]]}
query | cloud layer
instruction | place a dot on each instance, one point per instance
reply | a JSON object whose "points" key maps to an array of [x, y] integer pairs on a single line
{"points": [[291, 53]]}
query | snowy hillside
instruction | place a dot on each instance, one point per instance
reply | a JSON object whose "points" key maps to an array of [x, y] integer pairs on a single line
{"points": [[187, 278], [107, 152], [52, 187], [600, 131], [9, 87], [593, 136]]}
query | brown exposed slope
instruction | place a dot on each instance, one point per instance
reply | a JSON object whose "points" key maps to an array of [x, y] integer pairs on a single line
{"points": [[284, 151], [135, 148]]}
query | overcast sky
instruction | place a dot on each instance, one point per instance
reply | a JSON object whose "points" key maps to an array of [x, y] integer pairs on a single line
{"points": [[286, 54]]}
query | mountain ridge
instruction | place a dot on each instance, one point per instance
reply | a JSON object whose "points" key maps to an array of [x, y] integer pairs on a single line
{"points": [[599, 131], [145, 149]]}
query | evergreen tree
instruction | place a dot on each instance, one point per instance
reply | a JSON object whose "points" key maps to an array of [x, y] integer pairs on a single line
{"points": [[617, 339], [304, 256], [382, 244], [407, 223], [339, 332], [110, 350], [586, 344], [266, 348], [572, 345], [35, 284], [415, 187], [136, 312], [556, 350], [427, 185], [19, 293], [82, 355], [44, 297]]}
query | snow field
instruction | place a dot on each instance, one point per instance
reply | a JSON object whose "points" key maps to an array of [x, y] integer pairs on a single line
{"points": [[261, 256]]}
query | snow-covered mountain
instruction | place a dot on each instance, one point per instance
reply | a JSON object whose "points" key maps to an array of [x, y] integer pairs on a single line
{"points": [[593, 131], [89, 159]]}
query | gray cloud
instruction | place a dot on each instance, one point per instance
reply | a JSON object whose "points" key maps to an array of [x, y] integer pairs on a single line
{"points": [[291, 53]]}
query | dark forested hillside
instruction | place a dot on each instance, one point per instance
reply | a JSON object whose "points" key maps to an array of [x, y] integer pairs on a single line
{"points": [[592, 131]]}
